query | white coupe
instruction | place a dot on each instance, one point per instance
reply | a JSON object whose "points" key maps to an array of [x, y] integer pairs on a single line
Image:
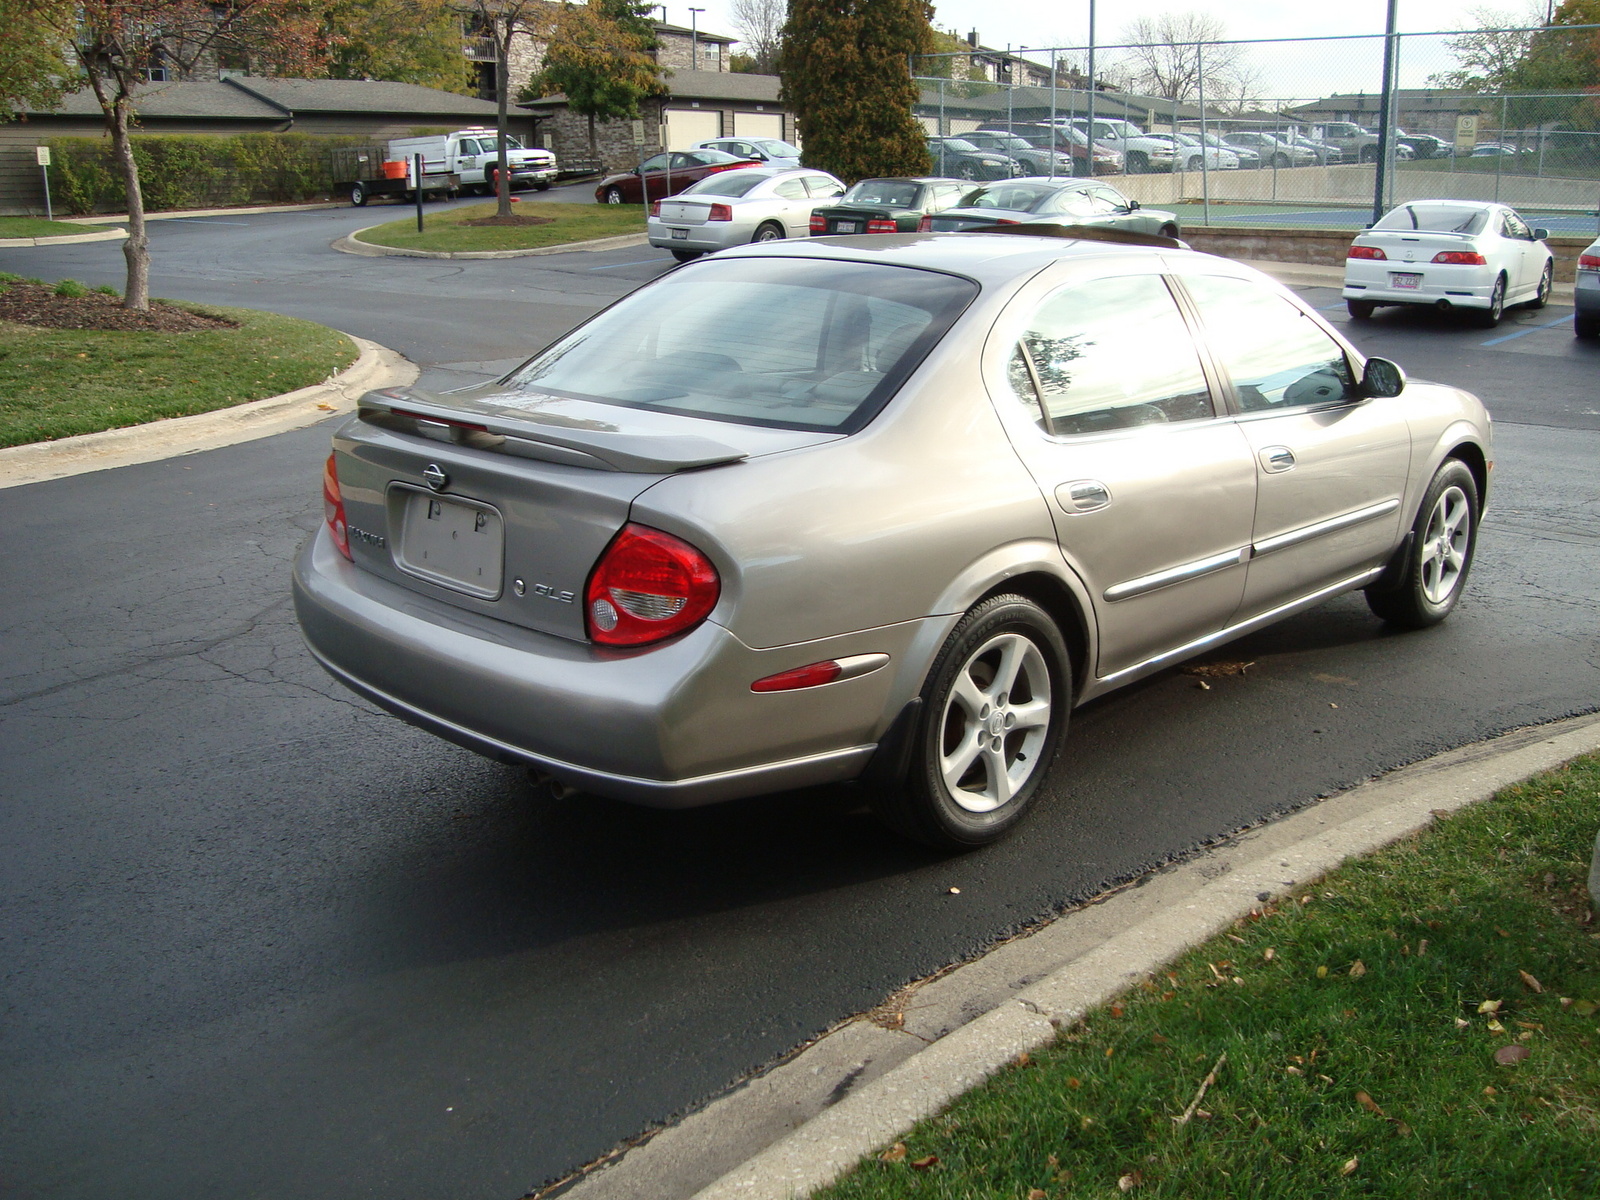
{"points": [[1449, 254]]}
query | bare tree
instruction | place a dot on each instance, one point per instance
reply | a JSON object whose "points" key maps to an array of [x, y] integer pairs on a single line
{"points": [[502, 21], [1169, 54], [760, 26]]}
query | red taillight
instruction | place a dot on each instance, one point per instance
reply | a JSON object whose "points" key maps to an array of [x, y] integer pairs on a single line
{"points": [[1366, 252], [925, 225], [1589, 262], [655, 209], [1460, 258], [882, 225], [333, 508], [819, 223], [647, 586], [1006, 221], [720, 212], [811, 675]]}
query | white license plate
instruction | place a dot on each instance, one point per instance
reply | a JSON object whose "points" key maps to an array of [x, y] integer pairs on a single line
{"points": [[1402, 279], [846, 226], [457, 543], [680, 233]]}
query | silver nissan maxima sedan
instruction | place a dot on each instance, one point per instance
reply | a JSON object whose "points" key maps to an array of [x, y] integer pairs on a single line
{"points": [[880, 509], [754, 204]]}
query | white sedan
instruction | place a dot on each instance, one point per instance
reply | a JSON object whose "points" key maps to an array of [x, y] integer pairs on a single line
{"points": [[1449, 254], [752, 204]]}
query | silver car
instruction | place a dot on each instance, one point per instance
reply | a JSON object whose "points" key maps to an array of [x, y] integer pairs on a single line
{"points": [[1051, 202], [761, 149], [876, 509], [755, 204]]}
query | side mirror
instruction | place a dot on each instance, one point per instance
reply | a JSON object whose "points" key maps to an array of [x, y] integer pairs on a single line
{"points": [[1382, 379], [1132, 204], [1539, 235]]}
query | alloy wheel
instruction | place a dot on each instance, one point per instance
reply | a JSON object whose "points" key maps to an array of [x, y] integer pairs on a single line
{"points": [[1445, 544], [996, 716]]}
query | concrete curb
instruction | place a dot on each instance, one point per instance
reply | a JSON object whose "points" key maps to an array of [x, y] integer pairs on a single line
{"points": [[377, 366], [350, 244], [184, 213], [803, 1124], [65, 239]]}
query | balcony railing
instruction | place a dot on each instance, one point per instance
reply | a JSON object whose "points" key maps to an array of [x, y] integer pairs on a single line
{"points": [[479, 49]]}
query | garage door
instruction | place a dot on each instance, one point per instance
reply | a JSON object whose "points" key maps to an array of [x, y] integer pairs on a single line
{"points": [[758, 125], [686, 126]]}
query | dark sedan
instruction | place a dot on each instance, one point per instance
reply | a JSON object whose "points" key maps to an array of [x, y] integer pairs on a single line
{"points": [[666, 175], [888, 205], [1051, 202], [959, 157]]}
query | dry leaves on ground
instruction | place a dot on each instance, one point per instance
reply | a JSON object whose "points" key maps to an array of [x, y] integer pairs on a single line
{"points": [[34, 304]]}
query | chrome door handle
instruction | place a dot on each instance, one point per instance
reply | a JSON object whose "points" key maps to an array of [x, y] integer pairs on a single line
{"points": [[1083, 496], [1275, 459]]}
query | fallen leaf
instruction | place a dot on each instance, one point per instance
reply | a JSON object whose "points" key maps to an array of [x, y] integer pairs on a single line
{"points": [[1401, 1127], [1324, 1079], [1462, 1023], [1566, 1002], [1524, 1037], [325, 407], [1584, 1008], [1131, 1180], [1332, 705], [1358, 969], [1202, 1114], [1116, 1010], [1074, 1082], [1529, 982], [1489, 1006], [894, 1153], [1294, 1070], [1350, 1166], [1110, 1050], [1368, 1103], [1023, 1060], [1495, 1026], [1159, 1039], [1269, 954], [1037, 1194], [1508, 1056], [1204, 687], [955, 891], [1490, 1090], [1322, 972], [922, 1164], [1219, 668], [1052, 1161], [1422, 947]]}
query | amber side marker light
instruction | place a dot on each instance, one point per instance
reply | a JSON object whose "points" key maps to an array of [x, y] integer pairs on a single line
{"points": [[816, 674]]}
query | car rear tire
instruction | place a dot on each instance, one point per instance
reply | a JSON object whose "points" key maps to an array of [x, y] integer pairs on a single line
{"points": [[1194, 164], [687, 255], [979, 754], [1585, 325], [768, 231], [1137, 163], [1542, 297], [1488, 318], [614, 195], [1360, 310], [1431, 570], [1369, 154], [1169, 230], [543, 187], [967, 170], [1280, 160], [358, 195]]}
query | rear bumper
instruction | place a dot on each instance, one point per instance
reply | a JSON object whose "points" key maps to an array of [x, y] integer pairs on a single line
{"points": [[1586, 292], [706, 237], [1372, 282], [675, 726]]}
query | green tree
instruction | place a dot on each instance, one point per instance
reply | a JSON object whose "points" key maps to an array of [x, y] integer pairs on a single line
{"points": [[404, 41], [846, 74], [35, 59], [600, 56]]}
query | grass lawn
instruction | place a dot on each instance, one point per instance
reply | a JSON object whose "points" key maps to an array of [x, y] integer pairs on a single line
{"points": [[1421, 1023], [28, 227], [59, 382], [568, 223]]}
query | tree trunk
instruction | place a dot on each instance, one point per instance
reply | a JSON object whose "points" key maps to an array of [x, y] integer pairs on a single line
{"points": [[502, 53], [594, 144], [136, 250]]}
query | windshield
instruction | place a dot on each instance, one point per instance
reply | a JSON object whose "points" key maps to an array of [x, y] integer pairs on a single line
{"points": [[816, 345], [779, 149], [955, 144], [883, 191], [728, 183], [491, 146], [1020, 197], [1436, 218]]}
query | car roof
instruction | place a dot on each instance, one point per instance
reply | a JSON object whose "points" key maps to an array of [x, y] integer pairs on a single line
{"points": [[988, 258]]}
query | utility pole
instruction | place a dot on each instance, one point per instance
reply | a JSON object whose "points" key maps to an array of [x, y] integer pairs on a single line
{"points": [[1089, 130], [1385, 112], [694, 39]]}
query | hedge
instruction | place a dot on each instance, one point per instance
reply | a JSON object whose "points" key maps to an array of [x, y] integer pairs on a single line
{"points": [[196, 170]]}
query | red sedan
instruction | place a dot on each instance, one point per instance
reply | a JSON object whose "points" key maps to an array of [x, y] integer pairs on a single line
{"points": [[666, 175]]}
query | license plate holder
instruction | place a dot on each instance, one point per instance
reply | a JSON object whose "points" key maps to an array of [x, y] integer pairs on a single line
{"points": [[1405, 280], [450, 540], [680, 234]]}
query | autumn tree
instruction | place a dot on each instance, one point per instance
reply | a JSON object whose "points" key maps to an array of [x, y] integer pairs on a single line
{"points": [[403, 41], [115, 43], [1488, 56], [1178, 55], [35, 59], [846, 75], [760, 26], [601, 57]]}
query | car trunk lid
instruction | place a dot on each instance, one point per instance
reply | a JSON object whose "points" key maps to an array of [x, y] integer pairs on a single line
{"points": [[686, 212], [1405, 246]]}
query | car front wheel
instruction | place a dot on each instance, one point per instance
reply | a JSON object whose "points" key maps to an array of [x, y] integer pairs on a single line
{"points": [[993, 712], [1542, 297], [613, 195], [1428, 580]]}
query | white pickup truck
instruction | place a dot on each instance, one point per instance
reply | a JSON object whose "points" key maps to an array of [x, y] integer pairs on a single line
{"points": [[474, 154]]}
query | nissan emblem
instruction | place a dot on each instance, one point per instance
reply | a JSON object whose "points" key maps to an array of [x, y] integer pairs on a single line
{"points": [[433, 475]]}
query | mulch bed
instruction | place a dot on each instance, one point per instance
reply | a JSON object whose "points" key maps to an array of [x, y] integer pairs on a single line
{"points": [[513, 219], [33, 304]]}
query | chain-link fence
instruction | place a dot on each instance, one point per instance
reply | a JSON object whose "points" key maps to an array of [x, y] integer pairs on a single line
{"points": [[1282, 132]]}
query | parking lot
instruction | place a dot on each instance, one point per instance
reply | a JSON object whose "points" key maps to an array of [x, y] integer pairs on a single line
{"points": [[265, 940]]}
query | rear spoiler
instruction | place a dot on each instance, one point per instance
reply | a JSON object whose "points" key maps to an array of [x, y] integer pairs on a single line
{"points": [[1092, 233], [573, 445]]}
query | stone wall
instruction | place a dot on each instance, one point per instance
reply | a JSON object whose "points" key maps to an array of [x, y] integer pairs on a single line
{"points": [[566, 135]]}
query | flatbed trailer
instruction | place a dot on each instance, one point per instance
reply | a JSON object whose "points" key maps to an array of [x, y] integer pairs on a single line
{"points": [[358, 173]]}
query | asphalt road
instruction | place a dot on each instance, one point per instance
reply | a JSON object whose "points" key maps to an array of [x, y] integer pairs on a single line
{"points": [[261, 940]]}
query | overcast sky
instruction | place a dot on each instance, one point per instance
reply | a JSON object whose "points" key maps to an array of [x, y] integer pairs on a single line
{"points": [[1304, 71]]}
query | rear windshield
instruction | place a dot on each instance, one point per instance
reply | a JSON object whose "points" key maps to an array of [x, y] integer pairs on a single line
{"points": [[1020, 197], [1436, 218], [882, 191], [814, 345], [780, 149], [728, 183]]}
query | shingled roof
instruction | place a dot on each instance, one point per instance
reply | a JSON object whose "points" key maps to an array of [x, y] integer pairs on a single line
{"points": [[256, 98], [698, 85]]}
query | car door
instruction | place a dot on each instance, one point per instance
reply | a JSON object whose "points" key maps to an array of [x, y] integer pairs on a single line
{"points": [[1331, 466], [797, 204], [1151, 487], [1524, 261]]}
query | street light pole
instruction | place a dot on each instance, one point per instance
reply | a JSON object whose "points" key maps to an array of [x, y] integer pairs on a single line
{"points": [[1088, 132], [694, 39]]}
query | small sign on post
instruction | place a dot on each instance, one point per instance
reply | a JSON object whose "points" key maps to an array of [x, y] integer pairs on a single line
{"points": [[41, 154], [1466, 133], [638, 132]]}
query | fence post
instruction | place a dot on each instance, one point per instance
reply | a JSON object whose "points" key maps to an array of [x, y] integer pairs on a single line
{"points": [[1385, 106], [1053, 131], [1205, 173], [417, 159], [1500, 146], [1089, 124]]}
